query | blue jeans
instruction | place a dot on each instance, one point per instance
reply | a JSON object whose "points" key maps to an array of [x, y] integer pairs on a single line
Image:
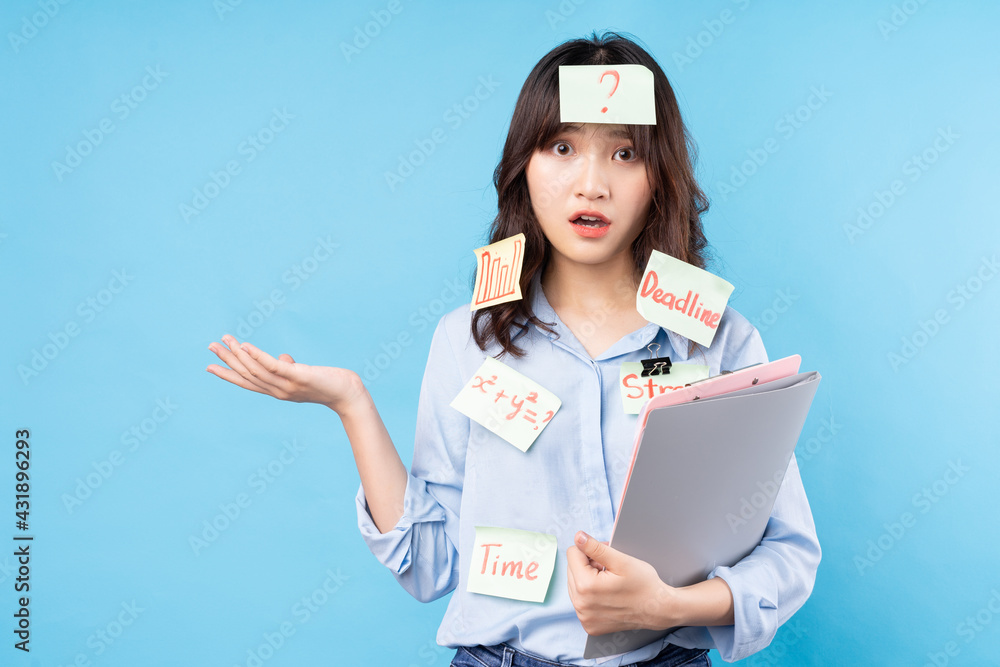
{"points": [[505, 656]]}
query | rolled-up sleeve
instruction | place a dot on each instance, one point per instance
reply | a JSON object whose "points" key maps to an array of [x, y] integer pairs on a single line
{"points": [[776, 578], [420, 550]]}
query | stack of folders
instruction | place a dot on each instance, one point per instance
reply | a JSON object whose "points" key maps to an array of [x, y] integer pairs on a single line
{"points": [[706, 467]]}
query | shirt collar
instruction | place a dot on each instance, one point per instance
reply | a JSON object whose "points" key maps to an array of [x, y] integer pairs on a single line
{"points": [[671, 344]]}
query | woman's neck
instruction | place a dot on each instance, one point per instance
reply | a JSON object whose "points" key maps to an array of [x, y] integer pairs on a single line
{"points": [[583, 287], [596, 303]]}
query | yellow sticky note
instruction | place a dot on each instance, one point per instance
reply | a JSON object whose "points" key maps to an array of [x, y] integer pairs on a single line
{"points": [[511, 405], [511, 563], [682, 298], [606, 94], [636, 390], [498, 272]]}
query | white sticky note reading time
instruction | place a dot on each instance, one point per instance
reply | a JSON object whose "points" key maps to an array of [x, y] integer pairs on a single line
{"points": [[511, 563], [511, 405], [682, 298], [606, 94]]}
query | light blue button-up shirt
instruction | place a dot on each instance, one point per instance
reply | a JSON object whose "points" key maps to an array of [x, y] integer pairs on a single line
{"points": [[570, 479]]}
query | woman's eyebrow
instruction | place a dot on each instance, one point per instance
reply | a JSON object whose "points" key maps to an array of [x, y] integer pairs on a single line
{"points": [[617, 133]]}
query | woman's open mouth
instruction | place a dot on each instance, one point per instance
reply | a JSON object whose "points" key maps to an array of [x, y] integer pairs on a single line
{"points": [[590, 225]]}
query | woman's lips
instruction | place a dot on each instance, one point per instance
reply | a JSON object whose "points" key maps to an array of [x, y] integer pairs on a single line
{"points": [[592, 228]]}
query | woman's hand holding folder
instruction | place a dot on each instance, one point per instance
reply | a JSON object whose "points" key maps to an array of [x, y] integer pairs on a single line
{"points": [[613, 591]]}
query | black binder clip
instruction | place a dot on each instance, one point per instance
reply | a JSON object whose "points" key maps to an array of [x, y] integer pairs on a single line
{"points": [[655, 365]]}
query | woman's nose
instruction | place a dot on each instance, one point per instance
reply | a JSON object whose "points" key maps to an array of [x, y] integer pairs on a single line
{"points": [[592, 181]]}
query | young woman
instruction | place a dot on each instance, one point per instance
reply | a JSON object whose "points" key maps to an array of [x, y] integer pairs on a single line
{"points": [[592, 201]]}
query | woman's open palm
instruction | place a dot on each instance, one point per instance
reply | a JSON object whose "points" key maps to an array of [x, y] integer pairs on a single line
{"points": [[283, 378]]}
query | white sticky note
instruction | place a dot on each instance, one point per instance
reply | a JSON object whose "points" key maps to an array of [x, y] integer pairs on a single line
{"points": [[498, 272], [682, 298], [606, 94], [511, 563], [511, 405], [636, 390]]}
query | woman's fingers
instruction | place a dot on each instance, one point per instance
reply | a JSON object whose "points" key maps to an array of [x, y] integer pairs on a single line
{"points": [[231, 358], [260, 373], [234, 377], [262, 359], [282, 378], [274, 372]]}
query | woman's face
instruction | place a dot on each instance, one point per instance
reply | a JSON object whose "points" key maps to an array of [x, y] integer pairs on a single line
{"points": [[590, 192]]}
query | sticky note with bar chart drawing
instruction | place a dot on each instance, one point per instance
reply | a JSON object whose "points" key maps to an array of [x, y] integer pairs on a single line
{"points": [[498, 272]]}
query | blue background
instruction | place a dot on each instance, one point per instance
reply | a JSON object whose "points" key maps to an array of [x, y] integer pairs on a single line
{"points": [[894, 77]]}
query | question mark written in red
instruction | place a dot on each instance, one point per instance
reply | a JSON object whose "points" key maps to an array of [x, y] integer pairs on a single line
{"points": [[548, 416], [613, 73]]}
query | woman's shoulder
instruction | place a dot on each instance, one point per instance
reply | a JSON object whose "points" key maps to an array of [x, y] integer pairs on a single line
{"points": [[734, 321], [457, 326], [454, 330], [736, 344], [740, 341]]}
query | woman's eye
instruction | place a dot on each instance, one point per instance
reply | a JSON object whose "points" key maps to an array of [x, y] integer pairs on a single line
{"points": [[562, 148], [626, 154]]}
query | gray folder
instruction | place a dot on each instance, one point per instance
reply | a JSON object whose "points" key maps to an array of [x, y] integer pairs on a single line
{"points": [[703, 485]]}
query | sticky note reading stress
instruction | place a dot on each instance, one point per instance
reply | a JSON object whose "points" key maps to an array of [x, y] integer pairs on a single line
{"points": [[511, 563], [511, 405], [682, 298], [498, 272], [606, 94], [636, 390]]}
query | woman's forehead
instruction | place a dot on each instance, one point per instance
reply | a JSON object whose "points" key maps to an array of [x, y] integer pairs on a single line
{"points": [[596, 130]]}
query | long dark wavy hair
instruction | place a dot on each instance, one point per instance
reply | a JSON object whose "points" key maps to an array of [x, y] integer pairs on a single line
{"points": [[674, 223]]}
